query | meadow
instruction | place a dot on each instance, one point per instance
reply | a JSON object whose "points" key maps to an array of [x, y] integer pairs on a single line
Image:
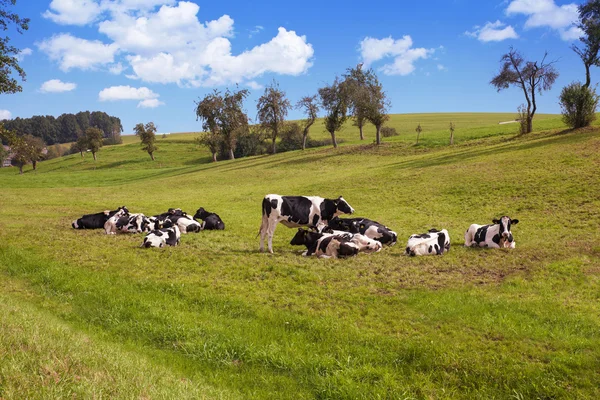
{"points": [[87, 315]]}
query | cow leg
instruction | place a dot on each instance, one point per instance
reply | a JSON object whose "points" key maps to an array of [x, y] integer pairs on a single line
{"points": [[262, 232], [271, 232]]}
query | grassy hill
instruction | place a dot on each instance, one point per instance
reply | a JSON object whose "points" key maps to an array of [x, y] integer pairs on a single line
{"points": [[88, 315]]}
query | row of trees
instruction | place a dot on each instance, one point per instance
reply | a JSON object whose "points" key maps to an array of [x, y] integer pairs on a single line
{"points": [[358, 94], [578, 101], [67, 127]]}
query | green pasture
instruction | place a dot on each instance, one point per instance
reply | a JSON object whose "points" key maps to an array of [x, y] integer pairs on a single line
{"points": [[87, 315]]}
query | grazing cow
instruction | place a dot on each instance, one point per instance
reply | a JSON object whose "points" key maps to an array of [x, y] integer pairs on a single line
{"points": [[324, 245], [495, 236], [431, 243], [371, 229], [365, 244], [298, 211], [110, 226], [95, 221], [162, 237], [209, 220]]}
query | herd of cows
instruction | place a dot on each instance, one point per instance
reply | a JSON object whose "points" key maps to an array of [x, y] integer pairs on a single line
{"points": [[327, 235]]}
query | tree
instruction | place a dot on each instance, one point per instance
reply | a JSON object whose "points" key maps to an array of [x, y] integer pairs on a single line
{"points": [[34, 147], [418, 130], [80, 145], [18, 148], [529, 76], [589, 23], [452, 127], [93, 138], [368, 101], [147, 134], [310, 107], [3, 154], [578, 104], [8, 53], [334, 100], [273, 107], [223, 117]]}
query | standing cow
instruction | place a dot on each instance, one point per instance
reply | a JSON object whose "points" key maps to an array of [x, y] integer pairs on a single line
{"points": [[495, 236], [298, 211]]}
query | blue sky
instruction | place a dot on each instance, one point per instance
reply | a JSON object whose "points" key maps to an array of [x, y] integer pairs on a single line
{"points": [[149, 60]]}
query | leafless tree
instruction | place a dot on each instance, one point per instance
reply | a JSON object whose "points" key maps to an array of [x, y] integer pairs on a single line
{"points": [[452, 127], [589, 23], [310, 107], [530, 76], [334, 100], [418, 130], [273, 107]]}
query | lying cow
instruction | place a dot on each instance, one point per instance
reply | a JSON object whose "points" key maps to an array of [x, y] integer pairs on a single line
{"points": [[110, 226], [209, 220], [324, 245], [367, 227], [96, 221], [431, 243], [176, 216], [363, 243], [162, 237], [495, 236], [298, 211]]}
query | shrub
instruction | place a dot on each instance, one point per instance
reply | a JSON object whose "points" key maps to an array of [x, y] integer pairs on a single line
{"points": [[522, 118], [387, 131], [249, 143], [578, 105], [291, 138]]}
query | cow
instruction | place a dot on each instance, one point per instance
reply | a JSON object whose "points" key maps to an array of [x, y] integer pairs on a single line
{"points": [[132, 223], [434, 242], [497, 235], [209, 220], [298, 211], [365, 244], [110, 226], [96, 221], [371, 229], [162, 237], [324, 245], [186, 223]]}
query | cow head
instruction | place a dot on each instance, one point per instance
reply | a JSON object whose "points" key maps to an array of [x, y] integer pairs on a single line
{"points": [[342, 206], [201, 213], [299, 238], [124, 209], [505, 224], [154, 239]]}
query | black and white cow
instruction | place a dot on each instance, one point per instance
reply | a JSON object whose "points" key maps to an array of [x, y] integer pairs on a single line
{"points": [[162, 237], [365, 244], [209, 220], [371, 229], [324, 245], [127, 223], [430, 243], [95, 221], [110, 226], [298, 211], [186, 223], [495, 236]]}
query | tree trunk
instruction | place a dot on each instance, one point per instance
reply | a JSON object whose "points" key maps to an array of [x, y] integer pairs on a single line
{"points": [[214, 156], [304, 136], [360, 128], [333, 140], [274, 145], [21, 169], [451, 138], [152, 156], [231, 155], [588, 80], [377, 134], [94, 154], [81, 154], [34, 163]]}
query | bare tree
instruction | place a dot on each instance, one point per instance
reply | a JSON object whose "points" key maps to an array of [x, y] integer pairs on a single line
{"points": [[452, 127], [94, 140], [589, 23], [334, 99], [310, 107], [529, 76], [418, 130], [273, 107], [147, 134]]}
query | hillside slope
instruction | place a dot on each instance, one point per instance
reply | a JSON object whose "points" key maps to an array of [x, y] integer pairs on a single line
{"points": [[216, 316]]}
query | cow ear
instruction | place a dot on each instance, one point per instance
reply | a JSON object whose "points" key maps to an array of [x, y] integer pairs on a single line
{"points": [[514, 221], [496, 221]]}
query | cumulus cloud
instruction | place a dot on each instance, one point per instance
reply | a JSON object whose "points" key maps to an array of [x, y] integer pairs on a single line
{"points": [[545, 13], [164, 41], [401, 50], [493, 32], [254, 85], [57, 86], [5, 114], [149, 99], [25, 52], [73, 12], [71, 52]]}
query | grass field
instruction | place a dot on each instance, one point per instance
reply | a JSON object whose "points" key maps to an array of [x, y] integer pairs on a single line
{"points": [[87, 315]]}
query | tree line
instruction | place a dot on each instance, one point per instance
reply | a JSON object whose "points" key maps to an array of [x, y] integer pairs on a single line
{"points": [[67, 127]]}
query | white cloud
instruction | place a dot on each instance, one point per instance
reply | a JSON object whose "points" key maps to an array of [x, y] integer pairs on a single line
{"points": [[254, 85], [493, 32], [546, 13], [5, 114], [256, 30], [73, 12], [150, 103], [116, 69], [25, 52], [57, 86], [401, 50], [441, 67], [115, 93], [72, 52]]}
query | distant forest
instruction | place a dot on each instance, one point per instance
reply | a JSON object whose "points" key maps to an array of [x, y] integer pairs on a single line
{"points": [[67, 127]]}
